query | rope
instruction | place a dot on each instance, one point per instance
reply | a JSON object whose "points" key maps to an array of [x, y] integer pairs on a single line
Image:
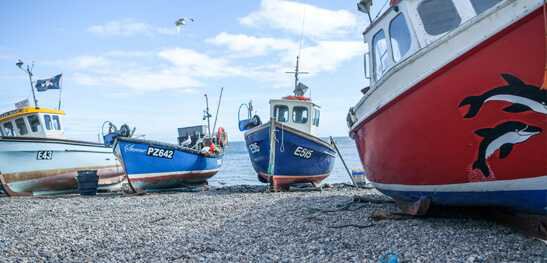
{"points": [[282, 146]]}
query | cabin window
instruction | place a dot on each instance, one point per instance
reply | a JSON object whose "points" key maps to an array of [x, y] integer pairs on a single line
{"points": [[281, 113], [400, 37], [56, 122], [1, 131], [483, 5], [316, 115], [300, 114], [21, 126], [439, 16], [8, 129], [34, 123], [47, 120], [381, 58]]}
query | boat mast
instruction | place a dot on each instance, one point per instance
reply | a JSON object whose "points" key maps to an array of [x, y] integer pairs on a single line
{"points": [[297, 72], [28, 70], [207, 115], [218, 107]]}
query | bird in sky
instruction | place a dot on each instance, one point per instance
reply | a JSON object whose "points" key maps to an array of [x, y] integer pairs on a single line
{"points": [[182, 22]]}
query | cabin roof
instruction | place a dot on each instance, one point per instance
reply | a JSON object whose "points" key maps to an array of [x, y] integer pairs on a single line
{"points": [[283, 100], [27, 111], [377, 19]]}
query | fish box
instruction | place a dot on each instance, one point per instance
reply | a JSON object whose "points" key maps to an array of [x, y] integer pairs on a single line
{"points": [[194, 132]]}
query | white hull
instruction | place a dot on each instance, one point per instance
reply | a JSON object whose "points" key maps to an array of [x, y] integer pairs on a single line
{"points": [[49, 166]]}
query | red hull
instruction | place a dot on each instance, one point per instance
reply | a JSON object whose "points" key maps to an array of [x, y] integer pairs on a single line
{"points": [[284, 181], [423, 138], [170, 181], [56, 181]]}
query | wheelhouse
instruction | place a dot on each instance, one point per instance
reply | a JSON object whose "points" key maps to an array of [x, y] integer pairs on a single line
{"points": [[410, 26], [296, 112], [32, 122]]}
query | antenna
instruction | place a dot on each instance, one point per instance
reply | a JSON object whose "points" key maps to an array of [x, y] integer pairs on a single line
{"points": [[302, 32], [60, 93], [20, 64], [218, 107], [297, 71]]}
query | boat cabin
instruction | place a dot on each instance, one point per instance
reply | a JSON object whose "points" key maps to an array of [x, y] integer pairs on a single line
{"points": [[32, 122], [409, 26], [297, 112]]}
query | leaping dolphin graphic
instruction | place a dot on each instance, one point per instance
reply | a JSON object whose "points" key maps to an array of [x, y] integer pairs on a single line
{"points": [[524, 97], [501, 137]]}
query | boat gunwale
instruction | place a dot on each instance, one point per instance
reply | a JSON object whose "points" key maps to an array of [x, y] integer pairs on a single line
{"points": [[51, 140], [485, 39], [169, 145], [296, 131]]}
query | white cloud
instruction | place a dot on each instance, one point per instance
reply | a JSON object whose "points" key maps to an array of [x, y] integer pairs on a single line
{"points": [[176, 68], [6, 56], [198, 64], [246, 45], [288, 16], [327, 55], [129, 27], [319, 56], [85, 62]]}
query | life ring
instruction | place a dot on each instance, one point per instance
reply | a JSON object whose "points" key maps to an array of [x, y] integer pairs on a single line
{"points": [[222, 137]]}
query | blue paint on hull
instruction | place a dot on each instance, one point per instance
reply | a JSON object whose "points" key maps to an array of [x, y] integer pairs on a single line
{"points": [[529, 201], [320, 163], [186, 167]]}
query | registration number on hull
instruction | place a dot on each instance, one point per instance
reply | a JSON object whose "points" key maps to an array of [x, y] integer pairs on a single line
{"points": [[302, 152], [160, 153], [254, 148], [44, 155]]}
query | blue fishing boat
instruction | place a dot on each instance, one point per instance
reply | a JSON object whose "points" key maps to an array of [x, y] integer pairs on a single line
{"points": [[155, 166], [286, 150], [152, 165]]}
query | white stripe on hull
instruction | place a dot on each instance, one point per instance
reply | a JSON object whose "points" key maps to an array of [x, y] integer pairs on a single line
{"points": [[535, 183], [18, 157], [151, 175]]}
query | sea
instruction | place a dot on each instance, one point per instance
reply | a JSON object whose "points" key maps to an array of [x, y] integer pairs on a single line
{"points": [[238, 170]]}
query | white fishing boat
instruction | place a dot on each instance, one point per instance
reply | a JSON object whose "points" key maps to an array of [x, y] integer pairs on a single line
{"points": [[36, 159]]}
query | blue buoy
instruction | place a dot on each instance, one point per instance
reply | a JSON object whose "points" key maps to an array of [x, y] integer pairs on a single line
{"points": [[389, 258]]}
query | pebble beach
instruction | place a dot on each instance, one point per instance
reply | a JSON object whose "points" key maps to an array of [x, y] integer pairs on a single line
{"points": [[247, 224]]}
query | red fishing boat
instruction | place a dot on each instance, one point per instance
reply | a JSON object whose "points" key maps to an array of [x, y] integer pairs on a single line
{"points": [[456, 110]]}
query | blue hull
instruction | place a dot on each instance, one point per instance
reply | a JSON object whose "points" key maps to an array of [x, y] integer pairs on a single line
{"points": [[527, 201], [154, 166], [299, 157], [527, 195]]}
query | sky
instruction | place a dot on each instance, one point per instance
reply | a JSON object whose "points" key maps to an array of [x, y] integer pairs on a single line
{"points": [[124, 61]]}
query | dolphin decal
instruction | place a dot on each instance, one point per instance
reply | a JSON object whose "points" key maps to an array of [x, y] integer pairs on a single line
{"points": [[501, 137], [524, 97]]}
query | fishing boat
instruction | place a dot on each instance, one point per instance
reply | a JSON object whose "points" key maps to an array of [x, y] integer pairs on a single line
{"points": [[455, 113], [36, 159], [155, 166], [285, 150]]}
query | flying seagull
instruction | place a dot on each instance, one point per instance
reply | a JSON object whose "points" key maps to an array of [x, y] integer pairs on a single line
{"points": [[182, 22]]}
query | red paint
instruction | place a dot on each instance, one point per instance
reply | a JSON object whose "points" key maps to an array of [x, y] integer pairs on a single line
{"points": [[284, 181], [303, 98], [422, 137], [190, 177], [58, 181]]}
